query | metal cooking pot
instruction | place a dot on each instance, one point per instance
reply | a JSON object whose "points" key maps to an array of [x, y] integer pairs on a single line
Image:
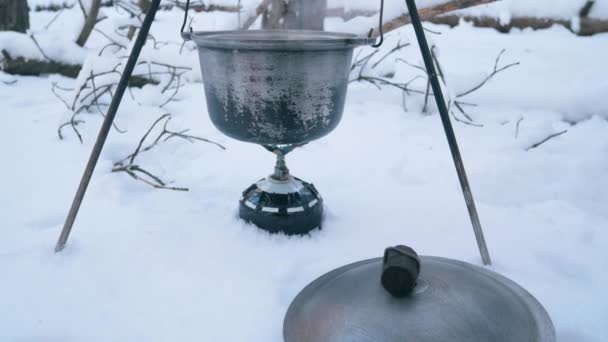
{"points": [[275, 87], [403, 297]]}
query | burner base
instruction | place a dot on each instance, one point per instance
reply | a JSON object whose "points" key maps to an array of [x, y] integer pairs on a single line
{"points": [[290, 206]]}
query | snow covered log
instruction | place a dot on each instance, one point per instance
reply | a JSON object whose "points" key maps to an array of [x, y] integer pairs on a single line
{"points": [[90, 19], [34, 67], [586, 26], [582, 24]]}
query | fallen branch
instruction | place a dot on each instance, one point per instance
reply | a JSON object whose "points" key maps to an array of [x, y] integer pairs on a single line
{"points": [[34, 67], [430, 12]]}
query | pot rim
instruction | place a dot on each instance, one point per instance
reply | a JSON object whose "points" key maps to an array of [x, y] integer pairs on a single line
{"points": [[291, 40]]}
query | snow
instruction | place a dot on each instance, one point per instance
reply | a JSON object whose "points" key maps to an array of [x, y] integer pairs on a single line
{"points": [[153, 265]]}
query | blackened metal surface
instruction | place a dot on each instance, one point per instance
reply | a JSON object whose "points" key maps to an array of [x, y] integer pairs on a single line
{"points": [[292, 208], [275, 87], [275, 97], [453, 302]]}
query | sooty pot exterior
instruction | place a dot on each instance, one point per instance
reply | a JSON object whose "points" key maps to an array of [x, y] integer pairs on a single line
{"points": [[276, 87]]}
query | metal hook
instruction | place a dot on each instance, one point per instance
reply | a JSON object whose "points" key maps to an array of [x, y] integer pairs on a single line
{"points": [[380, 26], [186, 16]]}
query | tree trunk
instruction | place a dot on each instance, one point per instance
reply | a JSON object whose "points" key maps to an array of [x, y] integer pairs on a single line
{"points": [[305, 14], [14, 15], [272, 19], [295, 15], [90, 19]]}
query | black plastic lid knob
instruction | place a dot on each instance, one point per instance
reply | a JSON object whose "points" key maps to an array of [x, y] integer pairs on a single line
{"points": [[400, 270]]}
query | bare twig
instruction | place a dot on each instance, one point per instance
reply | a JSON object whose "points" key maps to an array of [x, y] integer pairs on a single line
{"points": [[179, 80], [112, 40], [378, 82], [55, 86], [546, 139], [107, 88], [468, 120], [459, 107], [39, 48], [470, 123], [426, 95], [517, 126], [438, 65], [54, 18], [494, 72], [73, 123], [398, 47], [84, 11], [361, 62], [431, 31], [185, 41]]}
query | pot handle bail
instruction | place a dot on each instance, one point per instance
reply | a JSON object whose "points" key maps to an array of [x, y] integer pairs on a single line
{"points": [[186, 35], [380, 29], [400, 270]]}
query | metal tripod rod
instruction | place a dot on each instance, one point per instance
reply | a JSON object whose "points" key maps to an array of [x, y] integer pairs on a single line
{"points": [[449, 131], [107, 124]]}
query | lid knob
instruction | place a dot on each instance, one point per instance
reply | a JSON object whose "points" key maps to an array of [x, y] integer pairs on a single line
{"points": [[400, 269]]}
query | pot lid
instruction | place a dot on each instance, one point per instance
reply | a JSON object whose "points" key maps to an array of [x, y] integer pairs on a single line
{"points": [[277, 39], [452, 301]]}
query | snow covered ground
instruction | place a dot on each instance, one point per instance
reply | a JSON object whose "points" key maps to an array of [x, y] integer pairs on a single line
{"points": [[153, 265]]}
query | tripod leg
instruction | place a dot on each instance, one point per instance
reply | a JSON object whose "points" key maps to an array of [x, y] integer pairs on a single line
{"points": [[107, 124], [449, 131]]}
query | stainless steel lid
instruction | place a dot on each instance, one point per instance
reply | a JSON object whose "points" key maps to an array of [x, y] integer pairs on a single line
{"points": [[453, 301], [300, 40]]}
